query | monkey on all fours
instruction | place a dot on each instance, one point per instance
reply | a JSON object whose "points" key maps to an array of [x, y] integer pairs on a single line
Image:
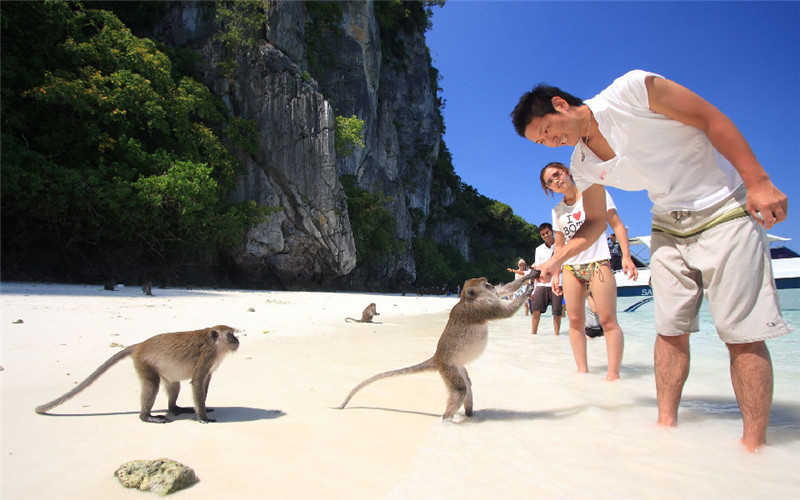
{"points": [[366, 317], [464, 338], [170, 357]]}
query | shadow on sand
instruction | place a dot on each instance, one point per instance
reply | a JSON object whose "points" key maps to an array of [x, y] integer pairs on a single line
{"points": [[489, 414], [222, 415]]}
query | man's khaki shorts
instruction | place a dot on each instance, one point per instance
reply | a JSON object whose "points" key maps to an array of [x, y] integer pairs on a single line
{"points": [[722, 252]]}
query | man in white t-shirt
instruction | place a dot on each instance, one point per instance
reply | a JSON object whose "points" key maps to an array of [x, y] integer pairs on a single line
{"points": [[543, 294], [712, 202]]}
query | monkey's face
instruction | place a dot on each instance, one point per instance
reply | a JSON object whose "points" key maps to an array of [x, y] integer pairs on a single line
{"points": [[232, 340], [224, 337], [477, 287]]}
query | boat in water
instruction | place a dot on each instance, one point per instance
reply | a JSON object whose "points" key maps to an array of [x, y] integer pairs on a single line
{"points": [[633, 295]]}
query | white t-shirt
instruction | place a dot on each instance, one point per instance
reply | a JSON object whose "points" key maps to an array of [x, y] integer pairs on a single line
{"points": [[567, 219], [543, 253], [675, 163]]}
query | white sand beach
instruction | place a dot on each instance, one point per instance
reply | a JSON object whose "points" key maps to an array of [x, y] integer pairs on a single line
{"points": [[539, 430]]}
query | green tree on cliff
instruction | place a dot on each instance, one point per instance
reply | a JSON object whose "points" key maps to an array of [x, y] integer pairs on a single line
{"points": [[101, 144]]}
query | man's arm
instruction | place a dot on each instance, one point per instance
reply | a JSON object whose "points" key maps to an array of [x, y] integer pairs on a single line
{"points": [[594, 206], [681, 104]]}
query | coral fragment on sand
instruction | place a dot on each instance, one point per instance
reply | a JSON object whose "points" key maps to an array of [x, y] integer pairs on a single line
{"points": [[162, 476]]}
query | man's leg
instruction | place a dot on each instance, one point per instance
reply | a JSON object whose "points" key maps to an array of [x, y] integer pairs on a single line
{"points": [[557, 308], [535, 317], [672, 369], [751, 375]]}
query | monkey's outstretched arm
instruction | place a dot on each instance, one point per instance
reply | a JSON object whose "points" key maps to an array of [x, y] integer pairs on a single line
{"points": [[509, 288], [506, 308]]}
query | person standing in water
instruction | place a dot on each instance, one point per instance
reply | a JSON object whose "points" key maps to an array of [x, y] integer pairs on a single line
{"points": [[519, 273], [545, 294], [712, 202], [589, 270], [616, 253]]}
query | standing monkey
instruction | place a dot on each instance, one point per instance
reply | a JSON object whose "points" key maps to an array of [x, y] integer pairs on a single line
{"points": [[464, 338], [170, 357], [366, 317]]}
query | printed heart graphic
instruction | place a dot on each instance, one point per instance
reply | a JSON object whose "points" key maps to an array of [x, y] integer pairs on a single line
{"points": [[577, 215]]}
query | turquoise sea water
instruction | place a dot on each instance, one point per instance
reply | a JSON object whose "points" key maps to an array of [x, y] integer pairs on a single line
{"points": [[541, 428]]}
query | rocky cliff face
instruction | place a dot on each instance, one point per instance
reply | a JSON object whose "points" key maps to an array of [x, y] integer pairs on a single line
{"points": [[309, 243]]}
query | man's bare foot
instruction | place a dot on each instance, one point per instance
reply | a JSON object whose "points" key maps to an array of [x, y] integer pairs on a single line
{"points": [[667, 421], [752, 447], [612, 376]]}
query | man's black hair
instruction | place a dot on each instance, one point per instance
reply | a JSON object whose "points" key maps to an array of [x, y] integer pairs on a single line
{"points": [[537, 103]]}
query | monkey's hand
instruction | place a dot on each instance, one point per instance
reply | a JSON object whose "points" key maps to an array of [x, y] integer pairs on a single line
{"points": [[533, 275]]}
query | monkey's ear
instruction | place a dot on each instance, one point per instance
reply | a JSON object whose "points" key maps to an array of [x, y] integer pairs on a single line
{"points": [[470, 293], [214, 335]]}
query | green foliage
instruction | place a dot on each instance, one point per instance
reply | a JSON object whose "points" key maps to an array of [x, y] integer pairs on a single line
{"points": [[349, 135], [243, 132], [398, 17], [439, 264], [322, 23], [373, 225], [497, 237], [240, 21], [102, 145]]}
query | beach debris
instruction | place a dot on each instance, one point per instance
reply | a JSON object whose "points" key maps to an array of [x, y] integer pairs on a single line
{"points": [[251, 309], [162, 476], [18, 322], [116, 344]]}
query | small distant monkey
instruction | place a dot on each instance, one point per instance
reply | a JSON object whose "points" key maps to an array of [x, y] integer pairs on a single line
{"points": [[147, 288], [170, 357], [464, 338], [366, 317]]}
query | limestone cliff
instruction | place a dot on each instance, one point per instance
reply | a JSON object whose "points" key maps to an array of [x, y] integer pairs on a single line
{"points": [[309, 242]]}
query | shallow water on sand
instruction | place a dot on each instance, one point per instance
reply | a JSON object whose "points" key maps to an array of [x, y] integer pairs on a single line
{"points": [[541, 428]]}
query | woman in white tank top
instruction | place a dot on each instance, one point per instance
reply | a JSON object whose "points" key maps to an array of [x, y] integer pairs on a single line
{"points": [[589, 270]]}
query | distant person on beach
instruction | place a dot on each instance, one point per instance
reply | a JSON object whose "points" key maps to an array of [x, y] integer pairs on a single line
{"points": [[616, 253], [519, 273], [588, 270], [544, 293], [712, 202]]}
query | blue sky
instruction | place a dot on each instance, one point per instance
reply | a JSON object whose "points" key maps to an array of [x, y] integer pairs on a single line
{"points": [[743, 57]]}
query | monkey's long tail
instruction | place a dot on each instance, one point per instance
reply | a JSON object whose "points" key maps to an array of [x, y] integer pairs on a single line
{"points": [[421, 367], [41, 409]]}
